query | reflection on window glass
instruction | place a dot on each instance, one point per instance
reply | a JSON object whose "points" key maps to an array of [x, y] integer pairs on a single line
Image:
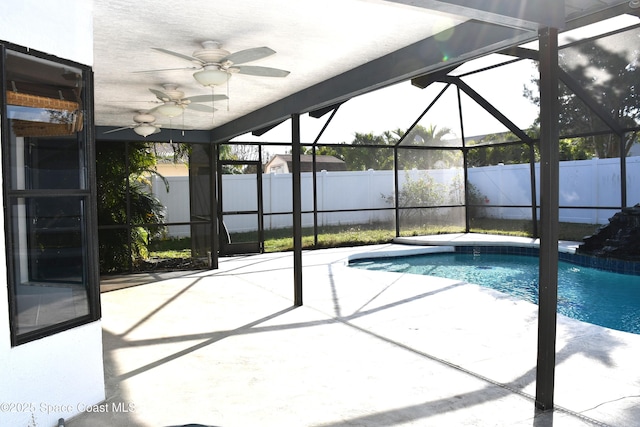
{"points": [[48, 261], [48, 196], [45, 115], [43, 98]]}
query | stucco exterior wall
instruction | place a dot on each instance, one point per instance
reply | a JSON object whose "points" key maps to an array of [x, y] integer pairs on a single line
{"points": [[57, 376]]}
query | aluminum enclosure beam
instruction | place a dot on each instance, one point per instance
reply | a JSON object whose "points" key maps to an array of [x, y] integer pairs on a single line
{"points": [[480, 100], [297, 209], [549, 217], [468, 40], [532, 14], [575, 87]]}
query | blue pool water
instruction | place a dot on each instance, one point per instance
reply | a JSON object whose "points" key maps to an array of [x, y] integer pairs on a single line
{"points": [[595, 296]]}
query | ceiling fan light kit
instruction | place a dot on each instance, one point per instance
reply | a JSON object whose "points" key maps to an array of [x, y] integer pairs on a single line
{"points": [[145, 129], [144, 125], [170, 109], [211, 76]]}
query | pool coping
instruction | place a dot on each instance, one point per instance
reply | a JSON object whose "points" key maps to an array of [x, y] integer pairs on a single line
{"points": [[485, 243]]}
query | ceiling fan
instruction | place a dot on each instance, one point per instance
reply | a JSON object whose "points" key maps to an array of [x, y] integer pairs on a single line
{"points": [[145, 125], [215, 65], [174, 103]]}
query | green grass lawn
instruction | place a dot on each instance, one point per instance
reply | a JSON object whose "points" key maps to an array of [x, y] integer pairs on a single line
{"points": [[339, 236]]}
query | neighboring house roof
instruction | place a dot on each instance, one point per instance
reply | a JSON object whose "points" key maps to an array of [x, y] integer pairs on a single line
{"points": [[323, 162]]}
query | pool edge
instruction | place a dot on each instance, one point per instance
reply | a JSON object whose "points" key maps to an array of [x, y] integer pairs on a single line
{"points": [[566, 249]]}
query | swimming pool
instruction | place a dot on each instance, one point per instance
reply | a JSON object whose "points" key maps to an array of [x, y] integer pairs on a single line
{"points": [[591, 295]]}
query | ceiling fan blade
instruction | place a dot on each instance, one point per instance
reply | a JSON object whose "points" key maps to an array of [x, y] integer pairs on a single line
{"points": [[248, 55], [261, 71], [167, 69], [179, 55], [117, 130], [203, 108], [160, 95], [206, 98]]}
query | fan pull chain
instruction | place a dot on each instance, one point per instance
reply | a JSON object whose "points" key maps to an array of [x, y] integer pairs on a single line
{"points": [[228, 94], [213, 103]]}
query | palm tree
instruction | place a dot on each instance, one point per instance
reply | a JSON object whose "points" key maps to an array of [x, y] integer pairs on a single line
{"points": [[412, 156]]}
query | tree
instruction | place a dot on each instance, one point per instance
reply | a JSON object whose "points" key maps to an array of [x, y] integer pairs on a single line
{"points": [[610, 79], [248, 152], [124, 200], [366, 151], [418, 191], [370, 151], [421, 136], [495, 149], [575, 149]]}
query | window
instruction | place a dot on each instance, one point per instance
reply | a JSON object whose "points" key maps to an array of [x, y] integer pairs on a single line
{"points": [[47, 176]]}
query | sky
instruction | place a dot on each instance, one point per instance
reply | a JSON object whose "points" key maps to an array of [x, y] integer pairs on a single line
{"points": [[398, 106]]}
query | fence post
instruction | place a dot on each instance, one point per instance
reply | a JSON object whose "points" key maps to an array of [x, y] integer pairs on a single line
{"points": [[323, 202]]}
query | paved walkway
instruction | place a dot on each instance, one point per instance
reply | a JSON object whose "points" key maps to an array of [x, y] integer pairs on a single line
{"points": [[227, 348]]}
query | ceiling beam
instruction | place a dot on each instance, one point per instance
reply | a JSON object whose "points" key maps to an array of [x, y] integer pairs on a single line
{"points": [[427, 79], [467, 41], [529, 14], [262, 131], [322, 111]]}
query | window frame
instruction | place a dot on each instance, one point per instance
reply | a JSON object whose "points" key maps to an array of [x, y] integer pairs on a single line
{"points": [[85, 193]]}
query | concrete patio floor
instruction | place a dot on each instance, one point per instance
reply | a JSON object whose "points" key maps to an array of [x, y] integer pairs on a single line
{"points": [[227, 348]]}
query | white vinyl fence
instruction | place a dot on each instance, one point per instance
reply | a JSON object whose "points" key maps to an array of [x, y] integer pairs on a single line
{"points": [[589, 183]]}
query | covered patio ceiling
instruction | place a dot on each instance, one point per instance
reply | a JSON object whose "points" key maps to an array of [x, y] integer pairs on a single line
{"points": [[334, 50]]}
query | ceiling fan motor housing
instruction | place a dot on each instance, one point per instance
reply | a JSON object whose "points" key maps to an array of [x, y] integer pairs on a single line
{"points": [[144, 118], [172, 92], [211, 53]]}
